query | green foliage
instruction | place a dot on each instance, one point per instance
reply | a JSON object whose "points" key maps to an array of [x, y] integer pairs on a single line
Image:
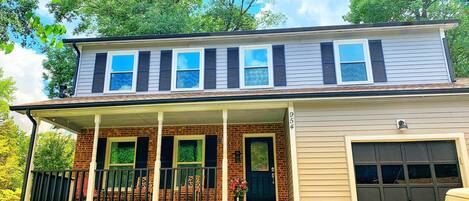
{"points": [[13, 146], [60, 61], [18, 21], [122, 152], [373, 11], [54, 151]]}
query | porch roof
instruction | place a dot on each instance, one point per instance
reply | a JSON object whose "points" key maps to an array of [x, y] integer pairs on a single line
{"points": [[460, 86]]}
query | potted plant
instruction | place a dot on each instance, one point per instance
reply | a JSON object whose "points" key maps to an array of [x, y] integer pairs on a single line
{"points": [[239, 187]]}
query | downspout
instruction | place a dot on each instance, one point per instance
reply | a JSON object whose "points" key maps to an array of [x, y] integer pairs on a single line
{"points": [[30, 152], [76, 68]]}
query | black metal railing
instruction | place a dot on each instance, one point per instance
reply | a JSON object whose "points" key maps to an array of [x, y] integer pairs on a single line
{"points": [[60, 185], [188, 183], [124, 184], [176, 184]]}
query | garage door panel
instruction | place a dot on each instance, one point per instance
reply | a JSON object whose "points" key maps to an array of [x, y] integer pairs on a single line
{"points": [[416, 152], [407, 171], [390, 152], [449, 153], [422, 194], [368, 194], [364, 153], [395, 194]]}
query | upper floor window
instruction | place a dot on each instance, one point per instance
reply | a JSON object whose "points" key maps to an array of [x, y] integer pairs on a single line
{"points": [[352, 60], [256, 66], [187, 73], [122, 75]]}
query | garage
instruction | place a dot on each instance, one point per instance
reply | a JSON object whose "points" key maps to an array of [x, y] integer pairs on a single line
{"points": [[405, 171]]}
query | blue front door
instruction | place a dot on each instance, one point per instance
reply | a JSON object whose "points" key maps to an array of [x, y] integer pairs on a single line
{"points": [[260, 169]]}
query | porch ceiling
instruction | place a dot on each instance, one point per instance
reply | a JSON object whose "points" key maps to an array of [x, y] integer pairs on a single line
{"points": [[76, 123]]}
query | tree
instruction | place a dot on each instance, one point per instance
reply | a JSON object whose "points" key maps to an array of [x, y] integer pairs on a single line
{"points": [[60, 61], [19, 22], [13, 146], [135, 17], [373, 11], [54, 151]]}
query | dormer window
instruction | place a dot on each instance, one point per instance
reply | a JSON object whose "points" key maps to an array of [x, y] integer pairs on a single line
{"points": [[256, 69], [353, 65], [121, 71], [188, 68]]}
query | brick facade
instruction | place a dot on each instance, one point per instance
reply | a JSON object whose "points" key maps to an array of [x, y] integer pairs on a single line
{"points": [[235, 143]]}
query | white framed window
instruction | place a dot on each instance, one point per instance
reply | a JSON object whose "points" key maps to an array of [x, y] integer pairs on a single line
{"points": [[256, 66], [121, 71], [187, 69], [120, 155], [353, 64], [189, 152]]}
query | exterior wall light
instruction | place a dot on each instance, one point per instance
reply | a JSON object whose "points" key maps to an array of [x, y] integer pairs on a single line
{"points": [[401, 124], [237, 155]]}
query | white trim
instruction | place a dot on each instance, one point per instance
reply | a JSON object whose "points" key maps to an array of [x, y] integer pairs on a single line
{"points": [[108, 72], [442, 36], [459, 139], [366, 52], [92, 172], [225, 157], [291, 118], [159, 137], [78, 71], [174, 68], [269, 66], [274, 149]]}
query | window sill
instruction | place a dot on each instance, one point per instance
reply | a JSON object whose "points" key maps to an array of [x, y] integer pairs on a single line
{"points": [[355, 83]]}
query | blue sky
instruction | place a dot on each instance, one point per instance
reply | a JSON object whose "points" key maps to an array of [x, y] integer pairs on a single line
{"points": [[25, 64]]}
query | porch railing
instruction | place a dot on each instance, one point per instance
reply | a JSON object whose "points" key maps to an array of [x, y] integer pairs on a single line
{"points": [[176, 184]]}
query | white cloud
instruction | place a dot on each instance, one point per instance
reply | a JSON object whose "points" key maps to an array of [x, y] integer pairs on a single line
{"points": [[310, 12], [25, 67]]}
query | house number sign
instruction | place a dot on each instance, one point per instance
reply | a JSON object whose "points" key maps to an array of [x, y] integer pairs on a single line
{"points": [[291, 120]]}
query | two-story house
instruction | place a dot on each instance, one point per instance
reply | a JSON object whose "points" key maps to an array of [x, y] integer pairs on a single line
{"points": [[368, 112]]}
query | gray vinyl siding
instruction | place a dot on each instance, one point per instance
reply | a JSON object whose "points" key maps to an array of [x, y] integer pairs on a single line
{"points": [[222, 68], [413, 57], [321, 128]]}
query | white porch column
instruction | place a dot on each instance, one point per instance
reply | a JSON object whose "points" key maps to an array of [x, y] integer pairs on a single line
{"points": [[293, 156], [225, 157], [92, 173], [29, 184], [156, 177]]}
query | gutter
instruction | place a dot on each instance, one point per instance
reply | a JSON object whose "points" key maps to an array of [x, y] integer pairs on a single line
{"points": [[30, 153], [204, 35], [75, 74], [245, 97]]}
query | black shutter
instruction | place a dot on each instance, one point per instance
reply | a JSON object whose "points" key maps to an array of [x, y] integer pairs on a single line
{"points": [[141, 157], [210, 68], [100, 158], [280, 76], [165, 70], [449, 61], [328, 63], [166, 161], [377, 61], [99, 73], [210, 159], [143, 70], [233, 67]]}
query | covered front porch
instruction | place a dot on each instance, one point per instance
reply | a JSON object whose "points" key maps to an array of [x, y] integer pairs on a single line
{"points": [[195, 149]]}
